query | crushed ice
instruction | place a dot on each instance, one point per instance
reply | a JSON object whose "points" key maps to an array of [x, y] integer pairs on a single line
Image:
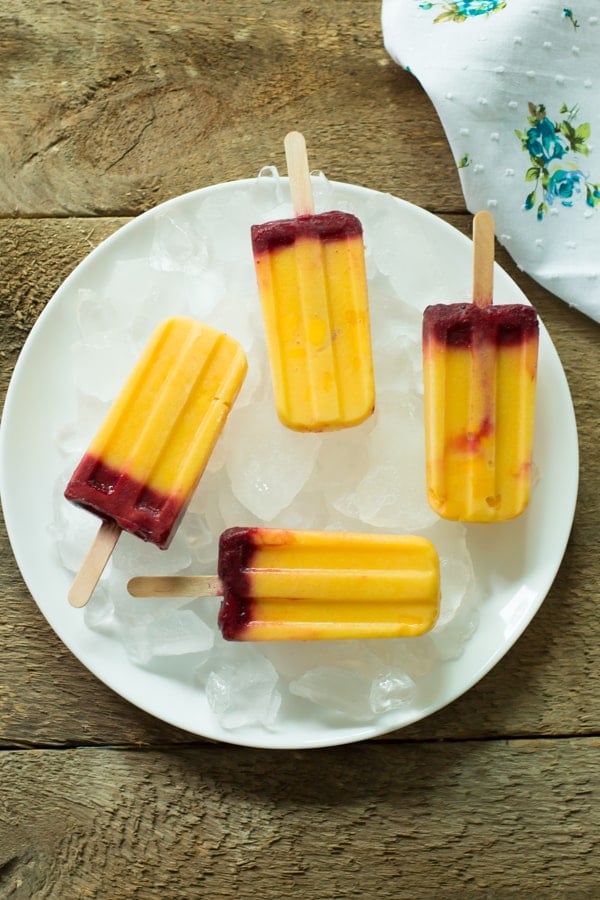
{"points": [[369, 478]]}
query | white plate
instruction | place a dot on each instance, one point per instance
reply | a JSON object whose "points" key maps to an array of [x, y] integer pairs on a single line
{"points": [[514, 565]]}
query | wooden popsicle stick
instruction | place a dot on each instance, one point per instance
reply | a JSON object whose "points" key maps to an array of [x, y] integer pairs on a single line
{"points": [[299, 174], [483, 259], [175, 586], [94, 564]]}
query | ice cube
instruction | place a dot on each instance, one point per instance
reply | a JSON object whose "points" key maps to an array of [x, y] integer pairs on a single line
{"points": [[414, 656], [292, 659], [174, 633], [73, 529], [227, 219], [179, 244], [102, 371], [396, 338], [99, 613], [343, 690], [342, 462], [95, 318], [271, 195], [385, 237], [256, 382], [457, 577], [243, 690], [391, 690], [450, 639], [132, 285], [209, 288], [164, 301], [74, 437], [268, 471], [202, 543], [392, 494], [133, 611], [233, 511], [136, 557], [236, 317], [308, 510], [323, 192]]}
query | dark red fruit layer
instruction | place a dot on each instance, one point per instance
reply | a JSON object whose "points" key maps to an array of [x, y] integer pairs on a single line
{"points": [[150, 515], [456, 324], [236, 549], [327, 226]]}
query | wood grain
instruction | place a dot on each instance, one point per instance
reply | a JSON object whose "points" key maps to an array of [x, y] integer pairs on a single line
{"points": [[99, 96], [471, 820]]}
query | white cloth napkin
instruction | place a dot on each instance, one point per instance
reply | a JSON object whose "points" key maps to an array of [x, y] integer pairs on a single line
{"points": [[517, 89]]}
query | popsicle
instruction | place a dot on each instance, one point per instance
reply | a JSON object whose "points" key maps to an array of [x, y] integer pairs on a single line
{"points": [[144, 464], [282, 585], [480, 369], [312, 284]]}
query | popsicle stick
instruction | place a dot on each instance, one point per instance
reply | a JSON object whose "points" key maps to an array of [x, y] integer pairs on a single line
{"points": [[483, 259], [175, 586], [299, 174], [94, 563]]}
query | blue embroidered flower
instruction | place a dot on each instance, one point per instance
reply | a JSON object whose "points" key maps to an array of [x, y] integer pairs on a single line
{"points": [[554, 148], [461, 10], [477, 7], [544, 143], [564, 185]]}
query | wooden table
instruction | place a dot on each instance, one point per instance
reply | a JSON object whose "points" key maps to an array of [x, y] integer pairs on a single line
{"points": [[106, 109]]}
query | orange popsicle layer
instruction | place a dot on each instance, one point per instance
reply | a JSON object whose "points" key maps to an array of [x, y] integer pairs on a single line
{"points": [[313, 290], [312, 585], [480, 366], [145, 462]]}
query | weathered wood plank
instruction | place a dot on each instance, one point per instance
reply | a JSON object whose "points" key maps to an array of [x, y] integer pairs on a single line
{"points": [[96, 97], [544, 686], [388, 821]]}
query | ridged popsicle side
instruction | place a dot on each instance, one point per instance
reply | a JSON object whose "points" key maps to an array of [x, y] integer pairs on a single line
{"points": [[311, 585], [145, 462], [313, 288], [480, 370]]}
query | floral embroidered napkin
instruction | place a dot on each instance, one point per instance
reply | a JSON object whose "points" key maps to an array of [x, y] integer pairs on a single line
{"points": [[516, 86]]}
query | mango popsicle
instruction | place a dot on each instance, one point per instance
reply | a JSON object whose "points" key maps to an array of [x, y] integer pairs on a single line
{"points": [[144, 464], [480, 368], [313, 289], [282, 584]]}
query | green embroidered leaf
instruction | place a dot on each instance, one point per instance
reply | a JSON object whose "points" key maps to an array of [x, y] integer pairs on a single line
{"points": [[532, 174], [569, 132], [530, 200], [583, 131], [450, 17], [541, 211]]}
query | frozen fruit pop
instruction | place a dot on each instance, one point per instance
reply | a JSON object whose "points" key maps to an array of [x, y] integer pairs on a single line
{"points": [[480, 366], [144, 464], [313, 289], [313, 585]]}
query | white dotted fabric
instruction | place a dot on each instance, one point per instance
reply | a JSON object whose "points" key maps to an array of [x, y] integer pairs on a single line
{"points": [[517, 88]]}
